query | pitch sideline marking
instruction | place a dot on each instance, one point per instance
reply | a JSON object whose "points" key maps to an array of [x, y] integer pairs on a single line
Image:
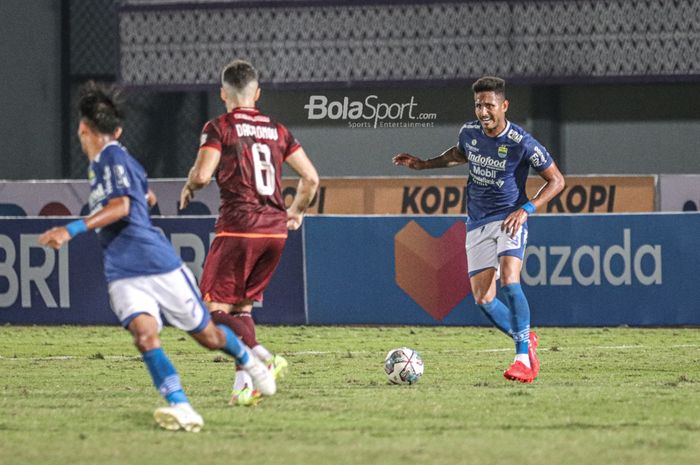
{"points": [[329, 352]]}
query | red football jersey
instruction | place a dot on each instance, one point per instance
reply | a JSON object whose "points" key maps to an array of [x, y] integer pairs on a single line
{"points": [[253, 148]]}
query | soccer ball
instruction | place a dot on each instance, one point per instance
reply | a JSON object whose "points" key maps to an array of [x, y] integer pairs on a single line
{"points": [[403, 366]]}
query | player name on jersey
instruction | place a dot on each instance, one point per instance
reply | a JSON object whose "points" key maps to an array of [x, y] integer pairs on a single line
{"points": [[259, 132]]}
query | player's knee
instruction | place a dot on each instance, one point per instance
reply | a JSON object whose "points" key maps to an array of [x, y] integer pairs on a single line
{"points": [[146, 341], [483, 297], [510, 278]]}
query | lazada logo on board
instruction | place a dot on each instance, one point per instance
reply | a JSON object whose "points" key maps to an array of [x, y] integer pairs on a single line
{"points": [[433, 270]]}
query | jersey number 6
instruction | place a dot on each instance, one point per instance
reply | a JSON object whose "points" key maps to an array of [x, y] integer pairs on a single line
{"points": [[264, 169]]}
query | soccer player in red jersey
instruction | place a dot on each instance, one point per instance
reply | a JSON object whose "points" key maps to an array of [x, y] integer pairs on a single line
{"points": [[245, 150]]}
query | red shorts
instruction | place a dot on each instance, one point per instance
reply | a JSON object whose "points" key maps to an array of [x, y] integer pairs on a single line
{"points": [[239, 268]]}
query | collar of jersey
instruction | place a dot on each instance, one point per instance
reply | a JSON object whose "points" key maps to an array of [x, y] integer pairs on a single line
{"points": [[501, 134], [254, 111], [114, 142]]}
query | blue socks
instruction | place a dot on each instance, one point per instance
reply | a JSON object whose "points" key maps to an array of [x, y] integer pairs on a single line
{"points": [[164, 376], [234, 346], [513, 319], [520, 314], [499, 315]]}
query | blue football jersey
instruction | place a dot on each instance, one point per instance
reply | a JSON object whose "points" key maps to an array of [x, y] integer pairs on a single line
{"points": [[132, 246], [498, 169]]}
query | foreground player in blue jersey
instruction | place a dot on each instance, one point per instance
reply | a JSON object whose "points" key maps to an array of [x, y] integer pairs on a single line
{"points": [[499, 154], [144, 274]]}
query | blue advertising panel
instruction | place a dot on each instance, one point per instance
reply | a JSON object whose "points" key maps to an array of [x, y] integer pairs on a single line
{"points": [[585, 270], [613, 270], [42, 286], [588, 270], [351, 272], [284, 298]]}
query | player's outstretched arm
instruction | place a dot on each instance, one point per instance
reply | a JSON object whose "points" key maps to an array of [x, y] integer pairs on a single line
{"points": [[200, 174], [450, 157], [306, 188], [116, 209]]}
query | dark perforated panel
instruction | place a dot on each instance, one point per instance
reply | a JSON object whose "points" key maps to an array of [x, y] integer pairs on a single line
{"points": [[186, 43]]}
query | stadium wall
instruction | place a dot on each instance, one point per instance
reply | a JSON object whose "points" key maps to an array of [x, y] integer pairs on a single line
{"points": [[643, 124], [580, 270], [605, 128], [30, 94], [436, 195]]}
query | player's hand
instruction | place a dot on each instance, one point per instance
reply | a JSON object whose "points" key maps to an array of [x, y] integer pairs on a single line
{"points": [[151, 198], [408, 160], [54, 237], [185, 196], [511, 225], [294, 220]]}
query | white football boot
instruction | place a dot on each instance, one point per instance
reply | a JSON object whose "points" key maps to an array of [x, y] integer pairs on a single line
{"points": [[263, 379], [179, 416]]}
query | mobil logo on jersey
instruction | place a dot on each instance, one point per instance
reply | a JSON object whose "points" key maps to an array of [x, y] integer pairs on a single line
{"points": [[484, 170], [432, 270]]}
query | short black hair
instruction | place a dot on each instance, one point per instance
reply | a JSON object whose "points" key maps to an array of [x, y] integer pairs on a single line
{"points": [[101, 105], [490, 84], [238, 74]]}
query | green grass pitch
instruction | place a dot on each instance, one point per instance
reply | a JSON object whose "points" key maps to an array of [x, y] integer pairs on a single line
{"points": [[81, 395]]}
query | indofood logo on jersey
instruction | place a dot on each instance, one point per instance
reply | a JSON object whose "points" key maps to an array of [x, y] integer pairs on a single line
{"points": [[370, 112], [484, 170]]}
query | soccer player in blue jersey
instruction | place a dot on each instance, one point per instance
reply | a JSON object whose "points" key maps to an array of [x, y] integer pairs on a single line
{"points": [[145, 276], [499, 154]]}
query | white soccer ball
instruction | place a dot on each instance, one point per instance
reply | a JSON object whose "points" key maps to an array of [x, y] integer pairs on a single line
{"points": [[403, 366]]}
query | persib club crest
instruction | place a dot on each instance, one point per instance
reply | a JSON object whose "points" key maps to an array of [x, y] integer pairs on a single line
{"points": [[502, 151]]}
